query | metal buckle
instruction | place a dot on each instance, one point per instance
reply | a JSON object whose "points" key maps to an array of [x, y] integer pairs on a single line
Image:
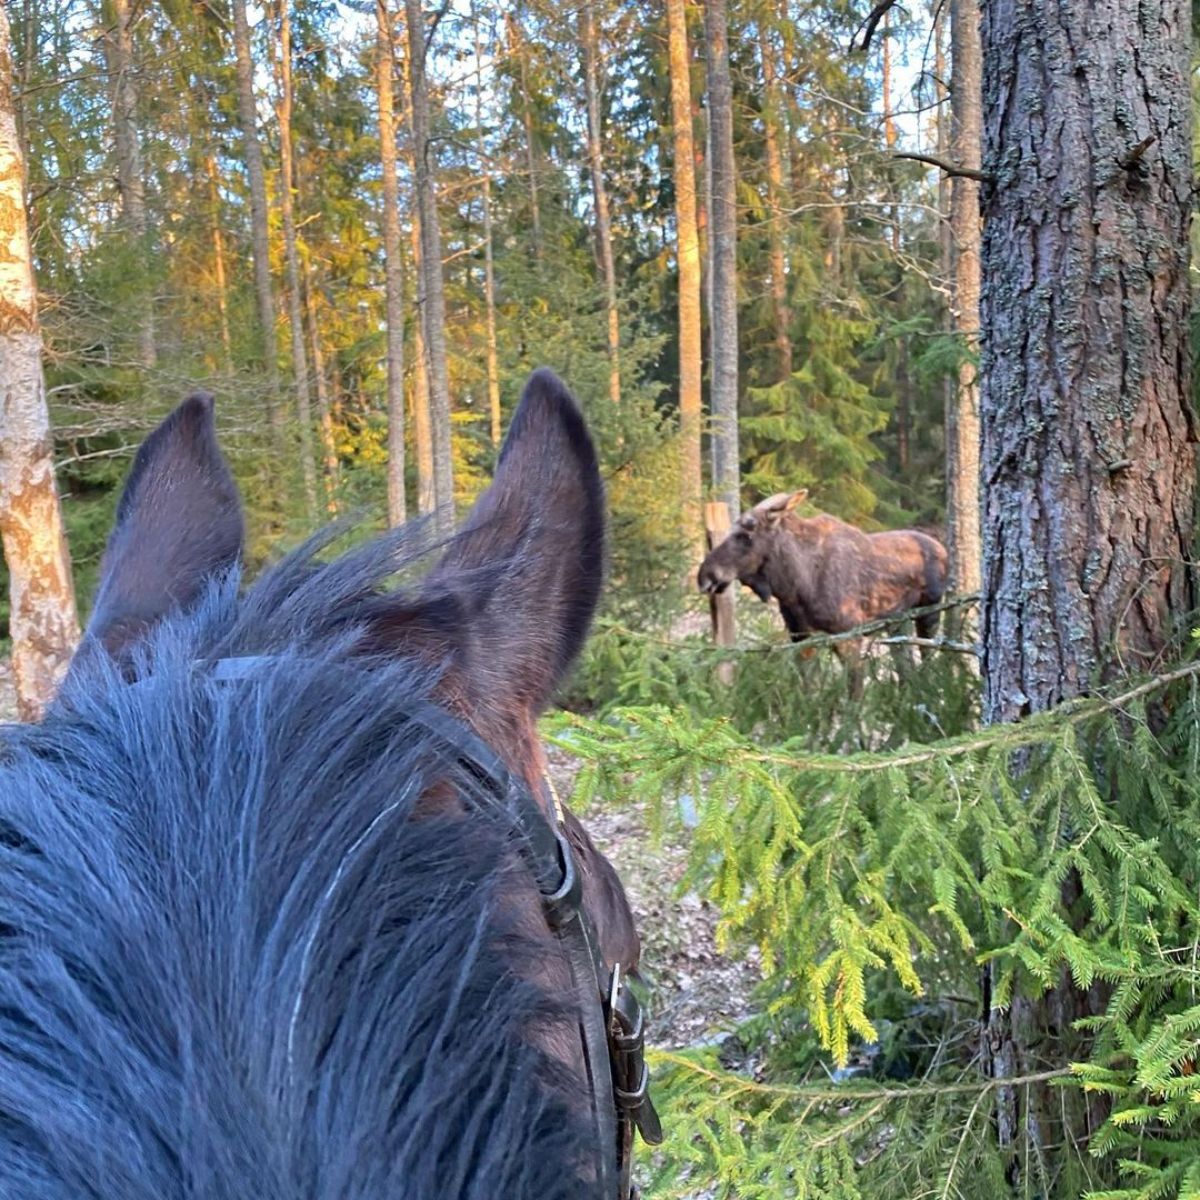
{"points": [[563, 903], [626, 1041]]}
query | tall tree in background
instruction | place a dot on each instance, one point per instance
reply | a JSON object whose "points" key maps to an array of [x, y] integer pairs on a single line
{"points": [[393, 263], [433, 300], [1088, 428], [595, 142], [118, 53], [42, 622], [287, 209], [962, 440], [777, 220], [687, 251], [489, 266], [259, 215], [517, 49], [724, 331]]}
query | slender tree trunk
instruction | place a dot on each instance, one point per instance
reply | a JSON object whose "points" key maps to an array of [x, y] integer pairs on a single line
{"points": [[604, 247], [287, 186], [117, 16], [489, 274], [688, 255], [218, 238], [517, 48], [433, 301], [966, 148], [727, 476], [1088, 431], [422, 422], [42, 621], [393, 262], [332, 468], [260, 237], [777, 255]]}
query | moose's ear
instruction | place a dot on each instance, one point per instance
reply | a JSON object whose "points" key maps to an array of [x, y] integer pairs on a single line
{"points": [[525, 570], [797, 498], [774, 507], [179, 524]]}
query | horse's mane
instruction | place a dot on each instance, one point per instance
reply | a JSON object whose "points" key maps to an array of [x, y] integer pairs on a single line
{"points": [[231, 965]]}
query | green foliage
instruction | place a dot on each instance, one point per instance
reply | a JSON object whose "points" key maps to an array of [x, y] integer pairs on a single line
{"points": [[1059, 852]]}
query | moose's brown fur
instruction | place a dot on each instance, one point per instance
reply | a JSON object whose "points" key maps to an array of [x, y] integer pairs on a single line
{"points": [[827, 576]]}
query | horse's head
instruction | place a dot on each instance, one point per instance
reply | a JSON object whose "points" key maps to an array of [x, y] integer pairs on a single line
{"points": [[270, 917]]}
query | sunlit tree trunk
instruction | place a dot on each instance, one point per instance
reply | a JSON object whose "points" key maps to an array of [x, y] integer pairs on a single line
{"points": [[287, 186], [117, 16], [604, 247], [42, 621], [1088, 430], [489, 273], [433, 301], [422, 434], [724, 333], [219, 278], [393, 263], [688, 255], [259, 218], [777, 221], [332, 468], [962, 501]]}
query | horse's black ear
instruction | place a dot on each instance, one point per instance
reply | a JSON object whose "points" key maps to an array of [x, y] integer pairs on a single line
{"points": [[527, 567], [179, 524]]}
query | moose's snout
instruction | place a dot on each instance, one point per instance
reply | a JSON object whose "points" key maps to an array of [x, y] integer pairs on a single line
{"points": [[708, 582]]}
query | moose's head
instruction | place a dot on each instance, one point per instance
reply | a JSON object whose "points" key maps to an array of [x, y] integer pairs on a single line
{"points": [[749, 545]]}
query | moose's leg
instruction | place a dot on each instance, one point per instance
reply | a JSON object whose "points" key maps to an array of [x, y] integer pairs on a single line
{"points": [[851, 654], [797, 627], [927, 627]]}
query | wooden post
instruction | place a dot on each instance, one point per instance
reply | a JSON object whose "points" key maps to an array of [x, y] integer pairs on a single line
{"points": [[717, 522]]}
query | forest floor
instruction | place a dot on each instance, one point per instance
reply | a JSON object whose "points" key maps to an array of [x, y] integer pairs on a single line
{"points": [[696, 992]]}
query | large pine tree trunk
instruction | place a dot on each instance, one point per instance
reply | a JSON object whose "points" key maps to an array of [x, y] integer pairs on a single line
{"points": [[287, 186], [724, 333], [259, 217], [604, 248], [118, 53], [433, 300], [688, 255], [393, 263], [1088, 431], [962, 477], [42, 622]]}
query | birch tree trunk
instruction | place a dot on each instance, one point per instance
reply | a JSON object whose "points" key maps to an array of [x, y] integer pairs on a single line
{"points": [[604, 249], [433, 302], [726, 461], [962, 500], [287, 185], [118, 54], [42, 621], [1088, 432], [688, 256], [259, 228], [393, 263]]}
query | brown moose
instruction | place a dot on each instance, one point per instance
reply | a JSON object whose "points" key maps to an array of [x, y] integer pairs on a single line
{"points": [[828, 576]]}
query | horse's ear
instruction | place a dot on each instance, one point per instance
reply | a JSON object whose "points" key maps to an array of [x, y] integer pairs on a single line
{"points": [[526, 569], [179, 524]]}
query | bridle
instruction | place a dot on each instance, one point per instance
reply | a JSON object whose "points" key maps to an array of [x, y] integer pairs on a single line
{"points": [[610, 1019]]}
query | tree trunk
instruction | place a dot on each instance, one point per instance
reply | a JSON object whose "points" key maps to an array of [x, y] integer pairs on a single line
{"points": [[1088, 431], [688, 255], [727, 474], [332, 468], [287, 185], [433, 301], [422, 434], [393, 262], [118, 54], [604, 249], [489, 273], [962, 500], [260, 237], [214, 197], [776, 221], [42, 621], [517, 49]]}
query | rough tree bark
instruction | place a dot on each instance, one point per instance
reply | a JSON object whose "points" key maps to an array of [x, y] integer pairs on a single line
{"points": [[393, 262], [604, 248], [962, 475], [287, 188], [117, 16], [433, 300], [688, 255], [259, 228], [1089, 436], [42, 621], [724, 355]]}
